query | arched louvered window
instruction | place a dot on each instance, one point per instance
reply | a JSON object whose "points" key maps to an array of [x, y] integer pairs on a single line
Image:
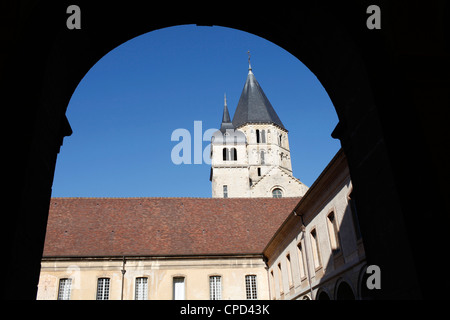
{"points": [[233, 154], [225, 154], [263, 136]]}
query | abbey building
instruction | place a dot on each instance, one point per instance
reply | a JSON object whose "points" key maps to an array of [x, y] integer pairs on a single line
{"points": [[250, 155], [262, 235]]}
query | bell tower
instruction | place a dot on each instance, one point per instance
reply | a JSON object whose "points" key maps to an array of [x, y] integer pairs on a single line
{"points": [[250, 154]]}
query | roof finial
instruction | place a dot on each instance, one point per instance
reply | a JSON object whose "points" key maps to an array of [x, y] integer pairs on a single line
{"points": [[249, 65], [225, 99]]}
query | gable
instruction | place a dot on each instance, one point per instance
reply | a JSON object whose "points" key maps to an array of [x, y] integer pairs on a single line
{"points": [[278, 178]]}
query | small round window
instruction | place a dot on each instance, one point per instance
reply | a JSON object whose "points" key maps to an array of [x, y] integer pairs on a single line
{"points": [[277, 193]]}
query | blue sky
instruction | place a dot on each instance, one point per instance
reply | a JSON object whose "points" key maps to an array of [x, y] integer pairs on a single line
{"points": [[125, 109]]}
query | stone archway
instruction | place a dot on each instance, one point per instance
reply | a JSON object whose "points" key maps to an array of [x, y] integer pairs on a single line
{"points": [[363, 291], [344, 291], [44, 61], [323, 295]]}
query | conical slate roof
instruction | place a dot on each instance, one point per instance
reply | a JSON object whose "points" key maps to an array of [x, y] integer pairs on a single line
{"points": [[253, 105]]}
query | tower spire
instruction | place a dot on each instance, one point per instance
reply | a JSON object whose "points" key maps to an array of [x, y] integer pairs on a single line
{"points": [[226, 119], [253, 105]]}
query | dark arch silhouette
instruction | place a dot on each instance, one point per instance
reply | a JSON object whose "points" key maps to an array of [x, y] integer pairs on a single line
{"points": [[225, 154], [364, 292], [388, 89], [323, 296], [344, 291]]}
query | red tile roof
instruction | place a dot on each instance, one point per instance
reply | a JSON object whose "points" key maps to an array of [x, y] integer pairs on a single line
{"points": [[93, 227]]}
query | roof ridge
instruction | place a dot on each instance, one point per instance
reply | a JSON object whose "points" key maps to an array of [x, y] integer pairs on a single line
{"points": [[289, 174], [263, 176], [282, 169]]}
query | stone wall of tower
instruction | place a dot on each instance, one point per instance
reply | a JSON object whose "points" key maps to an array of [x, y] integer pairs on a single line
{"points": [[229, 172], [234, 178], [275, 153], [251, 174]]}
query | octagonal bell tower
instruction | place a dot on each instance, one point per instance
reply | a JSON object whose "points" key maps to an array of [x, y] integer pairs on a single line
{"points": [[251, 155]]}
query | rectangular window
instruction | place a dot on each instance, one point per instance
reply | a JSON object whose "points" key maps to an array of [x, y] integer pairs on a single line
{"points": [[333, 233], [225, 191], [272, 284], [103, 289], [263, 136], [280, 278], [178, 288], [141, 292], [351, 202], [64, 289], [301, 261], [315, 249], [250, 287], [289, 270], [215, 288]]}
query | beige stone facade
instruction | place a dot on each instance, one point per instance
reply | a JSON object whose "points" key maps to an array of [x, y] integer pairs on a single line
{"points": [[319, 248], [159, 274]]}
